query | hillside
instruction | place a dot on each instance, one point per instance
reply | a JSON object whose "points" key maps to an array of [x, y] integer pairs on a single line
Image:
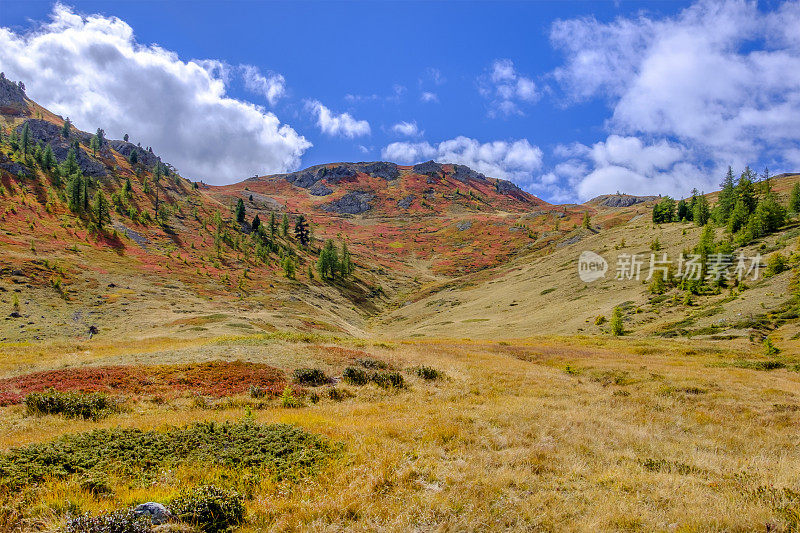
{"points": [[426, 239]]}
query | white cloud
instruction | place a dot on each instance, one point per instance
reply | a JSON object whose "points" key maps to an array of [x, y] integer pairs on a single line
{"points": [[505, 88], [628, 165], [342, 124], [93, 70], [429, 97], [512, 160], [272, 86], [721, 78], [409, 129]]}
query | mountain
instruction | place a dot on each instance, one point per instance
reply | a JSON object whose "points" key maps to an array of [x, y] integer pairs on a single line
{"points": [[428, 241]]}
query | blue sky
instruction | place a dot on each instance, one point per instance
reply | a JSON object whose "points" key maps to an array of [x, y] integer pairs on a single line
{"points": [[568, 99]]}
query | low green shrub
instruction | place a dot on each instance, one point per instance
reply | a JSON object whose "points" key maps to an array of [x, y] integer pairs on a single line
{"points": [[338, 395], [372, 363], [388, 380], [288, 399], [114, 522], [89, 406], [428, 373], [287, 452], [209, 508], [355, 376], [312, 377]]}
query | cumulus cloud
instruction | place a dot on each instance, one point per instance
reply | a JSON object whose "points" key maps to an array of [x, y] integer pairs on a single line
{"points": [[272, 85], [343, 124], [93, 69], [626, 164], [512, 160], [505, 88], [720, 78], [409, 129]]}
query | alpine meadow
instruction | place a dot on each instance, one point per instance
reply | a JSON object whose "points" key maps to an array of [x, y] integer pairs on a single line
{"points": [[326, 266]]}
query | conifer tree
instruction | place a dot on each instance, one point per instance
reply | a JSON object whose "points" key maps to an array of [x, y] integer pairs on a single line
{"points": [[301, 232], [256, 223], [239, 211], [100, 210], [328, 263], [586, 220], [273, 225], [75, 192], [727, 198], [701, 212], [285, 225], [794, 199], [26, 139], [617, 328], [65, 128], [346, 262]]}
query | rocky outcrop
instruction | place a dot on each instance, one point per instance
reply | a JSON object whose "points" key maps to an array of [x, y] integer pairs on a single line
{"points": [[428, 168], [463, 174], [125, 149], [381, 169], [45, 132], [352, 203], [406, 202], [622, 200], [12, 98], [319, 189], [10, 166]]}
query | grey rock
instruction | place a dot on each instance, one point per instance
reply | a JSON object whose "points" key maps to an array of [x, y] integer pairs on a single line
{"points": [[45, 132], [622, 200], [125, 149], [352, 203], [381, 169], [506, 187], [155, 512], [319, 189], [428, 168], [463, 174], [12, 98], [406, 202], [464, 225]]}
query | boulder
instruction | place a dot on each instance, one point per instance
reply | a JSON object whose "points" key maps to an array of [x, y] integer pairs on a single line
{"points": [[406, 202], [352, 203], [319, 189], [155, 512]]}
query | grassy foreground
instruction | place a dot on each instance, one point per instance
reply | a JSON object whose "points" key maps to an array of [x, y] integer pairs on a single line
{"points": [[550, 433]]}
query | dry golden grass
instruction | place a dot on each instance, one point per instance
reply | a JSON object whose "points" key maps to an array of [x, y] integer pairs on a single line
{"points": [[575, 434]]}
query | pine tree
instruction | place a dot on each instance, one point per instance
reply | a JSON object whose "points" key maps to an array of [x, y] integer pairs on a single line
{"points": [[301, 232], [727, 198], [94, 144], [328, 263], [738, 218], [239, 212], [701, 212], [794, 199], [65, 128], [256, 223], [285, 225], [134, 157], [288, 267], [125, 137], [75, 192], [48, 158], [586, 220], [273, 225], [100, 210], [617, 327], [682, 213], [346, 262], [127, 187], [745, 190], [26, 139], [70, 165]]}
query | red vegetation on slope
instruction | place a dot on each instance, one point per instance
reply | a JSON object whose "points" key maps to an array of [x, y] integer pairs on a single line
{"points": [[213, 379]]}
